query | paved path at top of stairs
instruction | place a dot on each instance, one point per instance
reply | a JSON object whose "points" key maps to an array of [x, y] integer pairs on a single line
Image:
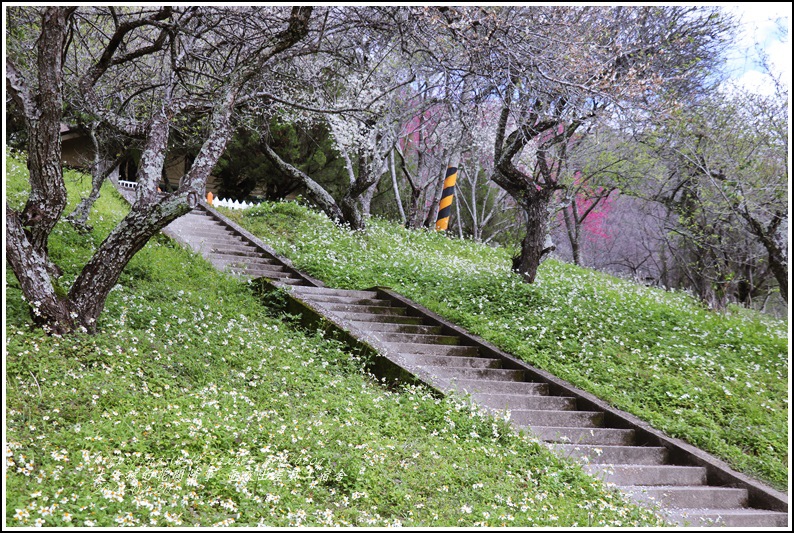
{"points": [[445, 357]]}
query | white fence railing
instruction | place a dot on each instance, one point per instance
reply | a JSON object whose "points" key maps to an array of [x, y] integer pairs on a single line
{"points": [[231, 204], [216, 202]]}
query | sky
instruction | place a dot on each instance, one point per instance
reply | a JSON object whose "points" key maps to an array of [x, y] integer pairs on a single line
{"points": [[759, 26]]}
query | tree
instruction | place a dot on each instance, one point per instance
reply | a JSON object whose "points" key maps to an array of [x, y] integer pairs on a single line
{"points": [[364, 114], [727, 184], [141, 68], [600, 164], [554, 69]]}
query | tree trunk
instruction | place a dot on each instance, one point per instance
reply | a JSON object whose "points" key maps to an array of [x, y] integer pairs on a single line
{"points": [[101, 169], [779, 266], [534, 246], [572, 228], [43, 112], [396, 187], [412, 219], [355, 203], [99, 276], [49, 309], [315, 191], [432, 209], [366, 200]]}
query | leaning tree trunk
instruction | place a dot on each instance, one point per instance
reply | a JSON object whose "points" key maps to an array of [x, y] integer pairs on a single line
{"points": [[27, 233], [352, 206], [49, 306], [535, 245], [770, 237], [314, 190], [572, 228], [99, 276], [101, 169], [779, 266]]}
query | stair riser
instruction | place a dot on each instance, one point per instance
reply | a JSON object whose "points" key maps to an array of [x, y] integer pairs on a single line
{"points": [[250, 259], [347, 300], [440, 360], [601, 436], [690, 497], [471, 373], [502, 401], [219, 235], [629, 455], [466, 386], [253, 273], [387, 319], [309, 292], [262, 269], [754, 520], [232, 250], [649, 475], [341, 309], [398, 328], [581, 419], [432, 349], [448, 340]]}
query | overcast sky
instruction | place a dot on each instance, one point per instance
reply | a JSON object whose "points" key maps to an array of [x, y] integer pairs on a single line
{"points": [[760, 25]]}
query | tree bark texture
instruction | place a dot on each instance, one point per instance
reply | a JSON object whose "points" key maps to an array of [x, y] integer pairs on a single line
{"points": [[534, 245]]}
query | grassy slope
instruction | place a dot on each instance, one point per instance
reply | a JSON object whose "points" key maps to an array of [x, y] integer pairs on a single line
{"points": [[718, 381], [197, 404]]}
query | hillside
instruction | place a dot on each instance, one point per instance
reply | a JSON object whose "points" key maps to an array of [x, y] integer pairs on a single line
{"points": [[197, 404], [718, 381]]}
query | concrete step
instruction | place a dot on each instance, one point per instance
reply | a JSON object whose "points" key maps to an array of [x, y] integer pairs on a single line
{"points": [[218, 233], [399, 328], [260, 272], [386, 319], [295, 282], [457, 361], [491, 374], [735, 518], [251, 258], [322, 299], [693, 497], [308, 292], [475, 386], [254, 268], [634, 455], [525, 401], [649, 475], [232, 249], [432, 349], [569, 435], [204, 241], [548, 417], [206, 224], [339, 308], [418, 338]]}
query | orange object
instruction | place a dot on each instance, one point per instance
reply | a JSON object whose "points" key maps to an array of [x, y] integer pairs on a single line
{"points": [[209, 198]]}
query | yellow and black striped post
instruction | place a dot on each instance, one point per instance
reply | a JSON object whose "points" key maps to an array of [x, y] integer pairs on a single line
{"points": [[447, 195]]}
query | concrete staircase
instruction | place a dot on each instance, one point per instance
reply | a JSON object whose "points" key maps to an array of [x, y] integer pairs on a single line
{"points": [[409, 342], [450, 361], [232, 249]]}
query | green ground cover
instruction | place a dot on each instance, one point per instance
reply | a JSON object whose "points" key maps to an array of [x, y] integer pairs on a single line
{"points": [[199, 404], [718, 381]]}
